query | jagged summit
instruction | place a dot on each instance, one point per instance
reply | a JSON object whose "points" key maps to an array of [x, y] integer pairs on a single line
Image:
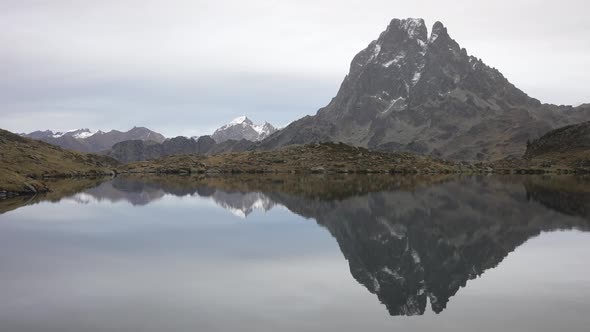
{"points": [[411, 91], [243, 128], [413, 29], [240, 120]]}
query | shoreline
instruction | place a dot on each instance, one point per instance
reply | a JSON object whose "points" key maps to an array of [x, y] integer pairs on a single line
{"points": [[47, 189]]}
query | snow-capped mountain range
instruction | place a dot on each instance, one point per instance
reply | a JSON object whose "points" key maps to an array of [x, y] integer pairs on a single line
{"points": [[86, 140], [75, 133], [243, 128]]}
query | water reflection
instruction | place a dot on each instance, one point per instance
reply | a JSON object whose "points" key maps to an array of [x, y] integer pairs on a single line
{"points": [[411, 241]]}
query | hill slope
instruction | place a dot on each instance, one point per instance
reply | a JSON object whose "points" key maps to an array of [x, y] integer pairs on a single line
{"points": [[569, 144], [24, 162], [316, 158]]}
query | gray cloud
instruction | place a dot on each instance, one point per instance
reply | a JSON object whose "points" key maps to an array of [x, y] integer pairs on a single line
{"points": [[185, 67]]}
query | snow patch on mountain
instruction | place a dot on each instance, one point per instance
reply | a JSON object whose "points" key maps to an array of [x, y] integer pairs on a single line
{"points": [[241, 120], [85, 133], [75, 133], [243, 128]]}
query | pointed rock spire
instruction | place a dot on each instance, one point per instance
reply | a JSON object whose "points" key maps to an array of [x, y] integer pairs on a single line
{"points": [[398, 30], [438, 31]]}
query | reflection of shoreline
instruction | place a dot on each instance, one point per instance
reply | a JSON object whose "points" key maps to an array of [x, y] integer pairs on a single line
{"points": [[61, 188], [571, 196], [408, 240]]}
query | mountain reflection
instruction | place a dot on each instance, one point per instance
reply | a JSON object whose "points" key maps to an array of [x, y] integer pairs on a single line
{"points": [[408, 240]]}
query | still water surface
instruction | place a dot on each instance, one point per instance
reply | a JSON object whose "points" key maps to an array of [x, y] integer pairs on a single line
{"points": [[298, 254]]}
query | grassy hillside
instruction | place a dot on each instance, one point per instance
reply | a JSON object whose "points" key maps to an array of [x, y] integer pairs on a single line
{"points": [[315, 158], [25, 162], [566, 149]]}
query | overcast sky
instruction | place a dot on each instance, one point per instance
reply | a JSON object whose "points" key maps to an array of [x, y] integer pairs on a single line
{"points": [[184, 67]]}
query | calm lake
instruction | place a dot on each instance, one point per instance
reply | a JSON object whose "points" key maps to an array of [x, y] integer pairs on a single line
{"points": [[298, 253]]}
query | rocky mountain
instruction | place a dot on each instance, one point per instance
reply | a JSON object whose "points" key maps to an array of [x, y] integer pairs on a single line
{"points": [[243, 128], [85, 140], [411, 91]]}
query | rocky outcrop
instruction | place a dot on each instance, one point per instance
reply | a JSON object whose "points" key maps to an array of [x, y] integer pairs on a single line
{"points": [[410, 91]]}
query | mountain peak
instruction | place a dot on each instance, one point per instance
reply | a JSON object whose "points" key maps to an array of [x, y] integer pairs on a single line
{"points": [[408, 91], [415, 27], [410, 28], [438, 31], [240, 120], [243, 128]]}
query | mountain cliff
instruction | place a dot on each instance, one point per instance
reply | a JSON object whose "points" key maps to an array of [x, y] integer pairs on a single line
{"points": [[411, 91]]}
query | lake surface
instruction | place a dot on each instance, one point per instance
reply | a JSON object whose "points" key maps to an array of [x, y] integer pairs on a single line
{"points": [[298, 254]]}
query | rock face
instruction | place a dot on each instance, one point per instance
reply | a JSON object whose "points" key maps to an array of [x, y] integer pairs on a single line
{"points": [[568, 139], [85, 140], [243, 128], [408, 91]]}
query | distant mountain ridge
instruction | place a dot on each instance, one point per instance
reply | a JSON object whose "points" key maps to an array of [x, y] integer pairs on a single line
{"points": [[141, 143], [411, 91], [75, 133], [243, 128], [137, 150], [241, 134], [85, 140]]}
